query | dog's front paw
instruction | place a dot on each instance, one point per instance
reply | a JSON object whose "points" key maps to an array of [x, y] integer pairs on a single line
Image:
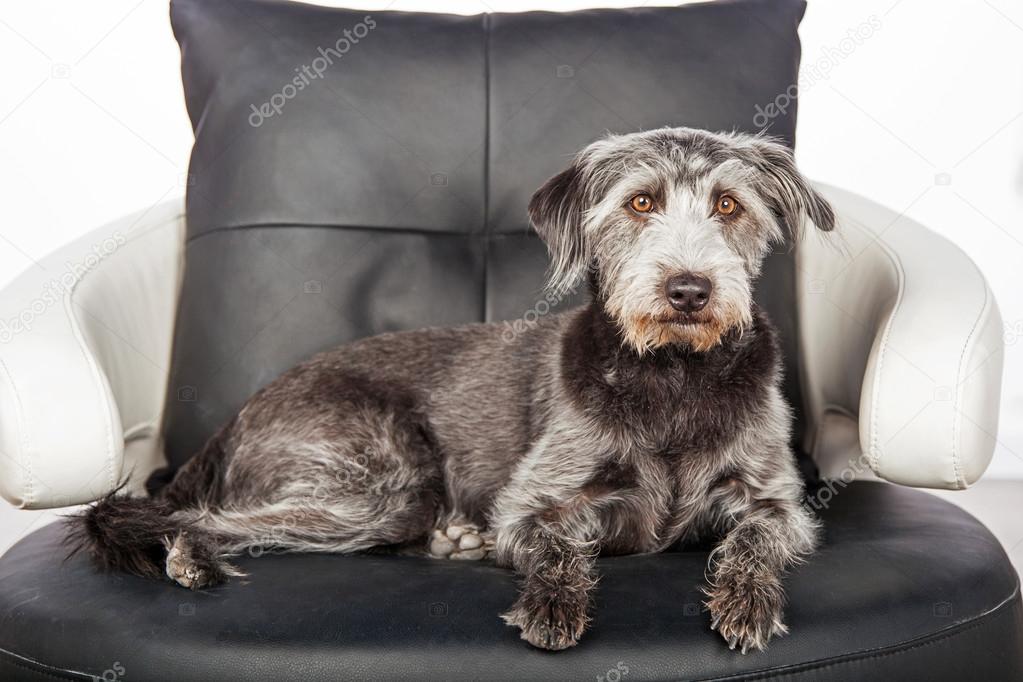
{"points": [[549, 619], [746, 609]]}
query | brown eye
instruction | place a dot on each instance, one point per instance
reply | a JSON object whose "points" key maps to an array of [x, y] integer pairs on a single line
{"points": [[726, 205], [641, 203]]}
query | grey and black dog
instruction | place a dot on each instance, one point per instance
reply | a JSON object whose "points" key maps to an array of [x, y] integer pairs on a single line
{"points": [[653, 415]]}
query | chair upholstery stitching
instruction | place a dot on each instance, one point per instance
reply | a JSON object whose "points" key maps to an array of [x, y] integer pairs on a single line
{"points": [[23, 442], [875, 451], [331, 226], [42, 668], [98, 375], [486, 163], [957, 419]]}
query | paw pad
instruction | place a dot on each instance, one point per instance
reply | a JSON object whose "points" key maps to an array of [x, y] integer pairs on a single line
{"points": [[465, 542]]}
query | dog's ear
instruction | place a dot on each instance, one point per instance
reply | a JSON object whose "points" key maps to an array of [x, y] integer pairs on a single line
{"points": [[793, 199], [556, 212]]}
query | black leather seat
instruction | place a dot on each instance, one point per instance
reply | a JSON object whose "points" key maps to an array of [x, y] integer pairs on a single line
{"points": [[906, 587]]}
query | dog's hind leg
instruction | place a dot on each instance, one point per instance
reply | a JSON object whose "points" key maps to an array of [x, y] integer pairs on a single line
{"points": [[349, 525], [200, 557], [366, 479]]}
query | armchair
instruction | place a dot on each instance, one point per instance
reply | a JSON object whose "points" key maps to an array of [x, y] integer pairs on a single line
{"points": [[905, 584], [120, 352]]}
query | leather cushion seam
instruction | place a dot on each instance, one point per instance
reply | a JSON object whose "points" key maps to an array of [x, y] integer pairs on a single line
{"points": [[362, 228], [25, 461], [957, 418], [98, 376], [41, 668], [886, 335]]}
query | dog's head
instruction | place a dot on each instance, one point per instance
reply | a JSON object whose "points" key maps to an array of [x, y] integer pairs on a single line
{"points": [[672, 225]]}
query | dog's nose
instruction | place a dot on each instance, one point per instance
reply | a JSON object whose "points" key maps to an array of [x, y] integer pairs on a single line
{"points": [[687, 293]]}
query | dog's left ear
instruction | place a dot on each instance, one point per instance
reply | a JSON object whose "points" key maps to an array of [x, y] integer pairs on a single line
{"points": [[791, 196], [556, 212]]}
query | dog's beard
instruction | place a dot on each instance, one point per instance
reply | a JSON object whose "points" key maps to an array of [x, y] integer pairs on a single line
{"points": [[700, 332]]}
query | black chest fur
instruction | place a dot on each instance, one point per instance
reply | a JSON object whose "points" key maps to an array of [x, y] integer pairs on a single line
{"points": [[672, 400]]}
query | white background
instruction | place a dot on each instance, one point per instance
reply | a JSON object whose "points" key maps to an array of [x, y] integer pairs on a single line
{"points": [[925, 116]]}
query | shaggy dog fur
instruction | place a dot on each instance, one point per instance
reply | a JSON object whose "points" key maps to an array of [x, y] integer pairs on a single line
{"points": [[651, 416]]}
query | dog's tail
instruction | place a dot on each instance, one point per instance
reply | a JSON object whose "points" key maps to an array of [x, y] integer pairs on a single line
{"points": [[132, 534], [125, 533]]}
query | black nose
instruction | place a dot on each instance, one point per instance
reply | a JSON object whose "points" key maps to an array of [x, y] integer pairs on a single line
{"points": [[687, 293]]}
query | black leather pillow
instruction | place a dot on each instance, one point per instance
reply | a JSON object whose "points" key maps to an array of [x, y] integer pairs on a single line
{"points": [[356, 172]]}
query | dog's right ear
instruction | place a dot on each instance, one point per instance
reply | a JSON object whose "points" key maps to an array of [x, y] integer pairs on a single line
{"points": [[556, 212], [794, 199]]}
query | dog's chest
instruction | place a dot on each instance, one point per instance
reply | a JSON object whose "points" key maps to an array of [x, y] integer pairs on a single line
{"points": [[653, 501], [679, 412]]}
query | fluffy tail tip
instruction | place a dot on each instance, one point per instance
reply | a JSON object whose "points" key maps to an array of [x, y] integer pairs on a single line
{"points": [[123, 533]]}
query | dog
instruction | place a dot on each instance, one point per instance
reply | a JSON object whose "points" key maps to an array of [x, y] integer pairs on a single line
{"points": [[651, 416]]}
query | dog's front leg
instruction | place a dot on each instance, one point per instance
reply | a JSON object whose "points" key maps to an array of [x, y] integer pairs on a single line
{"points": [[558, 577], [746, 596], [545, 526]]}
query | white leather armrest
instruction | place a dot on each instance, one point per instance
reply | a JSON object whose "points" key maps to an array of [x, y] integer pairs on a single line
{"points": [[900, 334], [85, 340]]}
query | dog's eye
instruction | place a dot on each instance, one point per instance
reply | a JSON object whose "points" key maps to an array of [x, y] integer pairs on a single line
{"points": [[642, 203], [726, 205]]}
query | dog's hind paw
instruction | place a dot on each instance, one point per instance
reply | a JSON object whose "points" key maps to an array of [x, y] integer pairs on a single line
{"points": [[195, 568], [463, 541]]}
